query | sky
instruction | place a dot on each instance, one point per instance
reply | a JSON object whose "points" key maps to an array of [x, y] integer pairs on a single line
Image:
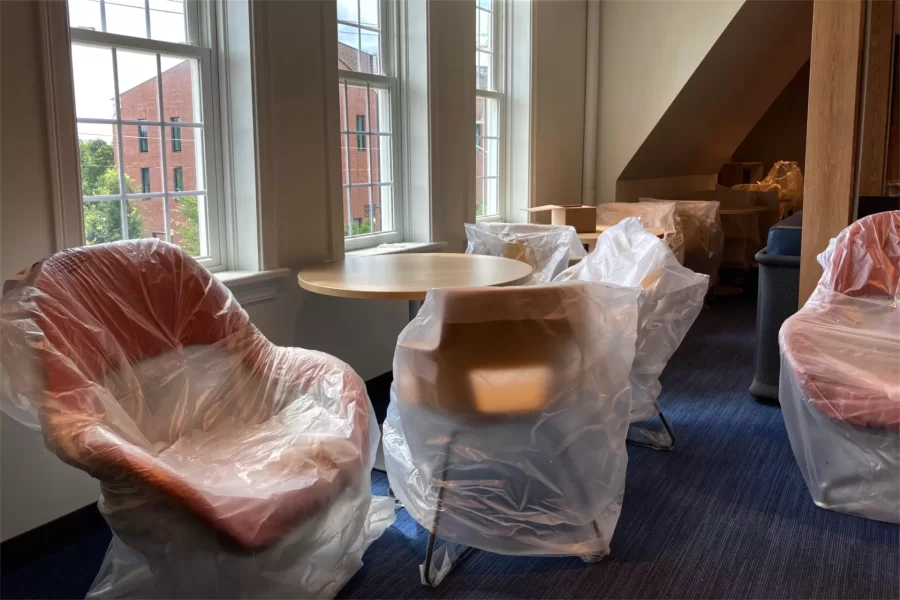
{"points": [[92, 66]]}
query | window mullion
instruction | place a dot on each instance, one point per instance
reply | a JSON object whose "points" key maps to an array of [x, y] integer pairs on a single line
{"points": [[120, 142], [162, 147]]}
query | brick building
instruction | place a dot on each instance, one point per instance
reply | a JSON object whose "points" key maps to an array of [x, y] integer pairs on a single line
{"points": [[141, 151], [362, 149]]}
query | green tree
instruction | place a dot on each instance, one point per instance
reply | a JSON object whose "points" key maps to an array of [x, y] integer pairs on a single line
{"points": [[361, 229], [103, 218], [188, 229]]}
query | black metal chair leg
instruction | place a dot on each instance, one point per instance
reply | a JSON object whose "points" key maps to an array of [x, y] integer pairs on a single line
{"points": [[429, 556], [432, 535], [669, 431]]}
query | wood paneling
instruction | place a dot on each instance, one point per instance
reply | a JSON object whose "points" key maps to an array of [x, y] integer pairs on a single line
{"points": [[831, 136], [874, 125]]}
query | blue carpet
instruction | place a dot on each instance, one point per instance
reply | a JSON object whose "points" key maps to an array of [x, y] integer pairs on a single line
{"points": [[725, 515]]}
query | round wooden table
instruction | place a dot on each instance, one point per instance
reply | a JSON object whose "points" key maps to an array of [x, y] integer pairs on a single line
{"points": [[409, 276]]}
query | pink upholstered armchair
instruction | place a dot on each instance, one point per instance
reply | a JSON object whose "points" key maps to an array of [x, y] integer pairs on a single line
{"points": [[208, 440], [840, 373]]}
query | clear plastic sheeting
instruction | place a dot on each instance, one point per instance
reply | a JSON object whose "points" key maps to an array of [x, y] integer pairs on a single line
{"points": [[657, 215], [840, 374], [229, 467], [507, 423], [787, 178], [547, 248], [704, 238], [670, 297]]}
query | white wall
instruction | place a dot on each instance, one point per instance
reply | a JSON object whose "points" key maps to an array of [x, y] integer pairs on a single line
{"points": [[648, 50], [35, 486], [558, 80]]}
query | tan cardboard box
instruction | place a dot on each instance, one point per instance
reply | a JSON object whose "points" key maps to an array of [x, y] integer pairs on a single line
{"points": [[582, 218]]}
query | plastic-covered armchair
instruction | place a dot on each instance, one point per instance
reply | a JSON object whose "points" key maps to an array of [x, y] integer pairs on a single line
{"points": [[228, 466], [671, 297], [507, 423], [840, 374], [704, 238], [658, 215], [547, 248]]}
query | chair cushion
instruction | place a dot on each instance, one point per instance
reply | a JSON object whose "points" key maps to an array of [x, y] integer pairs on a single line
{"points": [[151, 373]]}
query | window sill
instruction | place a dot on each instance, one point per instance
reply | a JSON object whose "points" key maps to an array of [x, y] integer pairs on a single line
{"points": [[249, 287], [401, 248]]}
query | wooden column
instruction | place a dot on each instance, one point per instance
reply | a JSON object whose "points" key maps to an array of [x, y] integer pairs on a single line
{"points": [[876, 95], [836, 66]]}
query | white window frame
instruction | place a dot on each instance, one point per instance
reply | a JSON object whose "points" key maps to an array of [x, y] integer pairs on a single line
{"points": [[58, 38], [499, 76], [388, 58]]}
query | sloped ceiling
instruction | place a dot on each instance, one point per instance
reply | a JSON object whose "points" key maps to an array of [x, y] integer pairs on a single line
{"points": [[757, 55]]}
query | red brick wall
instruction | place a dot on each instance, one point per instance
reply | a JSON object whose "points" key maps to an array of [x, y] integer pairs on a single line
{"points": [[140, 102], [358, 165]]}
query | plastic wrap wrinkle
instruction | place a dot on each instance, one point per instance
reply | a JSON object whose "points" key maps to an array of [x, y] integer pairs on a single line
{"points": [[840, 375], [659, 215], [704, 239], [228, 466], [670, 297], [547, 248], [533, 468]]}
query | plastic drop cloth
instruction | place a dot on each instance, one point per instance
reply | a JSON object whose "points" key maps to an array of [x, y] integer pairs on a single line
{"points": [[547, 248], [670, 298], [704, 239], [229, 467], [840, 374], [659, 215], [515, 403], [788, 178]]}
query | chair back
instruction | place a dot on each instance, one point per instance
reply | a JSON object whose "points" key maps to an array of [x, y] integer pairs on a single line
{"points": [[546, 248], [864, 259], [499, 352]]}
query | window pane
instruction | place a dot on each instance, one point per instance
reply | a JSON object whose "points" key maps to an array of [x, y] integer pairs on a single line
{"points": [[186, 225], [382, 159], [189, 160], [146, 218], [379, 110], [92, 69], [484, 40], [102, 221], [487, 109], [484, 78], [97, 157], [491, 196], [486, 4], [370, 56], [138, 94], [181, 89], [126, 17], [479, 198], [359, 48], [135, 160], [368, 10], [348, 10], [85, 14], [167, 22], [345, 159], [348, 48], [492, 157]]}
